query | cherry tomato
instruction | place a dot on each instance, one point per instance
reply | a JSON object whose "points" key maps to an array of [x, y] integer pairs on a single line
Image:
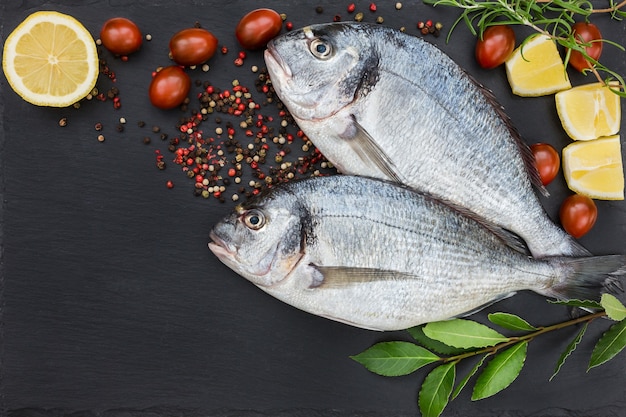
{"points": [[547, 161], [578, 214], [258, 27], [495, 47], [586, 32], [192, 46], [121, 36], [169, 87]]}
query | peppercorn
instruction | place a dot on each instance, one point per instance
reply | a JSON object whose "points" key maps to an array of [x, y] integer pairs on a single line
{"points": [[337, 18], [379, 19], [319, 10], [98, 127], [358, 17], [63, 122], [373, 7], [351, 8]]}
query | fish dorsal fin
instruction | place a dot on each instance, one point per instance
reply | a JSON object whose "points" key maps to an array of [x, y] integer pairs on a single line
{"points": [[509, 238], [344, 277], [524, 149], [366, 148]]}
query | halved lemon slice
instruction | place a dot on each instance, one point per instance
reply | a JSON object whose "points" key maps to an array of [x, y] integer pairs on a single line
{"points": [[594, 168], [50, 59], [536, 68], [589, 111]]}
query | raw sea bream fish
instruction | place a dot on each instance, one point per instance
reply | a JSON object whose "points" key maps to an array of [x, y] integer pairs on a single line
{"points": [[380, 103], [378, 255]]}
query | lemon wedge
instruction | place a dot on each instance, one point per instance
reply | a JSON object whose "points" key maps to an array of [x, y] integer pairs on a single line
{"points": [[594, 168], [50, 59], [589, 111], [535, 68]]}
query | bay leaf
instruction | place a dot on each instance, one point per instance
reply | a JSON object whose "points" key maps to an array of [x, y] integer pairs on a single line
{"points": [[462, 333], [613, 307], [436, 388], [511, 322], [569, 349], [501, 371], [610, 344], [395, 358]]}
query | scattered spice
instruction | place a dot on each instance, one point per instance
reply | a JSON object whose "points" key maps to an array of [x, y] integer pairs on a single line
{"points": [[373, 7], [63, 122]]}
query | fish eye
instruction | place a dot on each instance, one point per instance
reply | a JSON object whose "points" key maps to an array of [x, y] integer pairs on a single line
{"points": [[254, 219], [320, 48]]}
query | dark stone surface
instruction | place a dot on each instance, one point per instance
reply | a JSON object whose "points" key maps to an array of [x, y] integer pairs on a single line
{"points": [[113, 306]]}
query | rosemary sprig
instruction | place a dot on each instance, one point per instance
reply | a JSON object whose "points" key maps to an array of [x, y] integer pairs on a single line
{"points": [[553, 18]]}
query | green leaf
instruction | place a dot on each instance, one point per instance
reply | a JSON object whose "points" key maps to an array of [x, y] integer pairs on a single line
{"points": [[417, 333], [465, 380], [501, 371], [569, 349], [613, 307], [463, 333], [577, 303], [395, 358], [511, 322], [436, 389], [610, 344]]}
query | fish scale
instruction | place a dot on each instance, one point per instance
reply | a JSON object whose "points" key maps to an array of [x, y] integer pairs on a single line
{"points": [[385, 104], [381, 256]]}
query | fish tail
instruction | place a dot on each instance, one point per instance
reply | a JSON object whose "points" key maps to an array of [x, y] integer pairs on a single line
{"points": [[588, 278]]}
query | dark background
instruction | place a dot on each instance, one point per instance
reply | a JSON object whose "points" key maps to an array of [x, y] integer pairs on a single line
{"points": [[112, 305]]}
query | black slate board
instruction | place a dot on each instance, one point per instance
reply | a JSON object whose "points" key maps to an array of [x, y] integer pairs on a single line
{"points": [[112, 305]]}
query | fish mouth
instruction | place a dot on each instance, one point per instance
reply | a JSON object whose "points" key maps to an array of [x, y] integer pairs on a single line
{"points": [[219, 247], [274, 61]]}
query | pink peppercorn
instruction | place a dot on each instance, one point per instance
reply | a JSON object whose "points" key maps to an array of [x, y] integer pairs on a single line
{"points": [[373, 7], [351, 8]]}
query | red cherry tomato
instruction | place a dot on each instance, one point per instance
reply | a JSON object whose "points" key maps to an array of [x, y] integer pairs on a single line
{"points": [[169, 87], [578, 214], [121, 36], [192, 46], [587, 32], [495, 47], [547, 161], [258, 27]]}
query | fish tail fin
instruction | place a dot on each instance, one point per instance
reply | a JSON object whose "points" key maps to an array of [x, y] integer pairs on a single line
{"points": [[588, 278]]}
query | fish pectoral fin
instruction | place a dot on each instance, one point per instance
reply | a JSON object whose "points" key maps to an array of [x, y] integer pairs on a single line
{"points": [[344, 277], [369, 152], [495, 300]]}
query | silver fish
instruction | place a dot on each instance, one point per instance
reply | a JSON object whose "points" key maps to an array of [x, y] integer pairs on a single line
{"points": [[380, 256], [380, 103]]}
